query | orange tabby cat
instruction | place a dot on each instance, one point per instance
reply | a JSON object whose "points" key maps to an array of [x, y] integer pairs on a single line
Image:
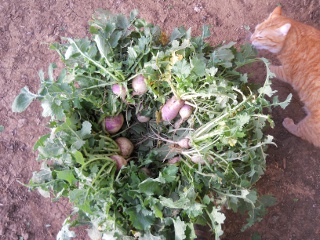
{"points": [[297, 46]]}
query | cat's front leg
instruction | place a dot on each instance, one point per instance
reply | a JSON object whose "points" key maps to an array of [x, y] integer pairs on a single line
{"points": [[279, 72]]}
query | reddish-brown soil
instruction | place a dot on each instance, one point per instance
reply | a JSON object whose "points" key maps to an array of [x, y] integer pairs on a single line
{"points": [[27, 26]]}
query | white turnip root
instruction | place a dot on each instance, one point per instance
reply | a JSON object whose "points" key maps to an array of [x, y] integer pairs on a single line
{"points": [[120, 161], [119, 90], [113, 124], [199, 159], [171, 108], [174, 160], [142, 118], [125, 146], [139, 85], [183, 143], [185, 112]]}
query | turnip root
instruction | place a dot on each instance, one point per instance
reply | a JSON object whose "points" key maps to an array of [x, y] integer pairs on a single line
{"points": [[185, 112], [120, 161], [174, 160], [113, 124], [125, 146], [142, 119], [199, 159], [171, 108], [183, 143], [139, 85], [119, 90]]}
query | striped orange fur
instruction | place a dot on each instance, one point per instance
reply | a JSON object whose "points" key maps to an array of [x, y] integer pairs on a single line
{"points": [[297, 46]]}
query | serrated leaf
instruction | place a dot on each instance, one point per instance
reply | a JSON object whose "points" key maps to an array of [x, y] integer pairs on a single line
{"points": [[242, 119], [168, 202], [198, 66], [150, 187], [86, 129], [79, 198], [182, 69], [179, 229], [139, 220], [42, 176], [65, 233], [23, 100], [40, 141]]}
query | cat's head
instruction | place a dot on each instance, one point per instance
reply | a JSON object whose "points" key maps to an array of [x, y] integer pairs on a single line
{"points": [[271, 34]]}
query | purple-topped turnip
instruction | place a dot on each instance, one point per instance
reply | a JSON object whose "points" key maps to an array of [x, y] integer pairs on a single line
{"points": [[139, 85], [171, 108], [119, 90], [142, 118], [120, 161], [125, 146], [113, 124]]}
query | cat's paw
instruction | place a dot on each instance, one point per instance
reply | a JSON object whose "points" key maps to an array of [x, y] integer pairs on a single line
{"points": [[290, 126]]}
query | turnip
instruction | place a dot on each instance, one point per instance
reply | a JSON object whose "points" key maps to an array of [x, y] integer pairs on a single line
{"points": [[139, 85], [185, 112], [125, 146], [113, 124], [120, 161], [183, 143], [119, 90], [142, 118], [171, 108], [174, 160], [200, 159]]}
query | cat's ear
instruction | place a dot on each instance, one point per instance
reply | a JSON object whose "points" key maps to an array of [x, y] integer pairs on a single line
{"points": [[276, 12], [284, 29]]}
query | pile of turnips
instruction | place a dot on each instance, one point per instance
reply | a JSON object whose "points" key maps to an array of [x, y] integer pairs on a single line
{"points": [[150, 134]]}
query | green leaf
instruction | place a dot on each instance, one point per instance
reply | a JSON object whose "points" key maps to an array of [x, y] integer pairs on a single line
{"points": [[256, 236], [79, 157], [65, 233], [1, 128], [86, 129], [23, 100], [199, 66], [179, 229], [150, 187], [168, 202], [40, 141], [182, 69], [67, 175], [205, 32], [139, 220], [79, 198]]}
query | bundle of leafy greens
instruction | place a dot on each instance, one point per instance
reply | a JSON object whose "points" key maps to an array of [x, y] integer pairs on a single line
{"points": [[183, 170]]}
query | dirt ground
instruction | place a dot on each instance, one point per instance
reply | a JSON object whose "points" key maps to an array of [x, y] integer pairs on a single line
{"points": [[26, 28]]}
